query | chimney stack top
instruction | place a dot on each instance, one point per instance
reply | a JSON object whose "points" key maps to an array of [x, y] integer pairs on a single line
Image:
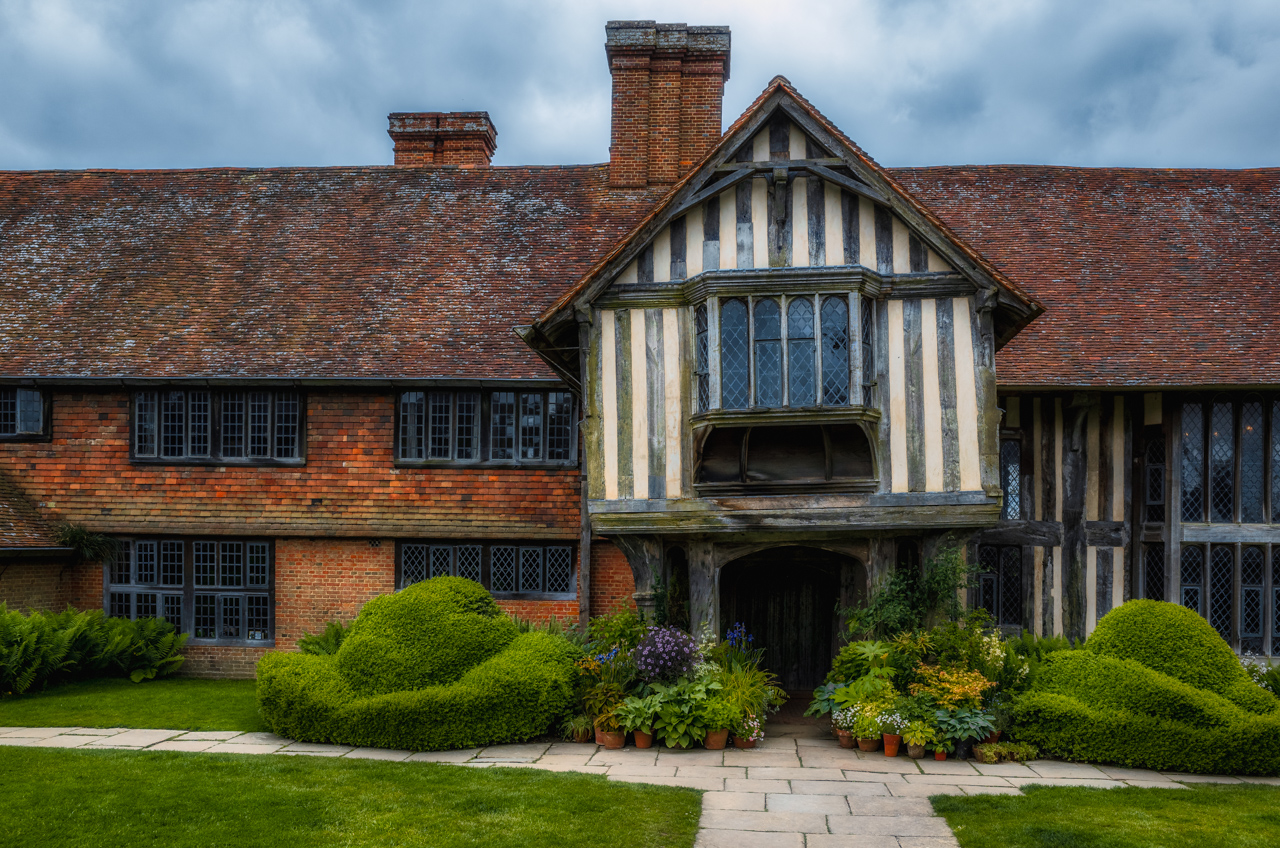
{"points": [[442, 138]]}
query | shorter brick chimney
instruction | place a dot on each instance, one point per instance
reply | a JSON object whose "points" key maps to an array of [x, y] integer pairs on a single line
{"points": [[442, 138], [668, 88]]}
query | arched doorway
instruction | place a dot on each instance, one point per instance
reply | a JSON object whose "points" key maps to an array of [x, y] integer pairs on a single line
{"points": [[788, 597]]}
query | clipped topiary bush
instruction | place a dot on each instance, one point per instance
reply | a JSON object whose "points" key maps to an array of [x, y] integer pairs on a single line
{"points": [[434, 666], [1115, 702]]}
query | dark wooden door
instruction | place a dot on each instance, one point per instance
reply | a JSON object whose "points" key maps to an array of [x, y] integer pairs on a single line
{"points": [[787, 598]]}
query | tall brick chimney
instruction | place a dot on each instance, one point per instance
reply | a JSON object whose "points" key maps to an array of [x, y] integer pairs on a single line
{"points": [[442, 138], [668, 85]]}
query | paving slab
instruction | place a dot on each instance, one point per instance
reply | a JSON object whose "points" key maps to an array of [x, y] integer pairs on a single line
{"points": [[1203, 778], [95, 731], [774, 822], [1269, 781], [838, 787], [1067, 781], [66, 742], [38, 732], [778, 759], [747, 839], [1118, 773], [889, 825], [733, 801], [734, 784], [792, 803], [138, 738], [191, 746], [883, 765], [774, 773], [887, 806], [1004, 769], [643, 770], [461, 756], [695, 757], [566, 760], [540, 766], [285, 752], [625, 756], [707, 771], [849, 840], [226, 748], [959, 779], [258, 739], [923, 790], [392, 754], [215, 735], [512, 753], [18, 741], [316, 748], [928, 842], [991, 790], [930, 766], [1156, 784], [704, 783], [574, 749], [1051, 768]]}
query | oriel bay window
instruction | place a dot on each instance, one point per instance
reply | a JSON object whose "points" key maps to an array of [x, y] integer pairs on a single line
{"points": [[506, 427], [202, 426], [539, 569], [785, 351], [218, 590]]}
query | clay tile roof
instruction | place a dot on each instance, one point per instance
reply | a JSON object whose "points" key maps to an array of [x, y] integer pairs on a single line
{"points": [[1148, 276], [339, 273], [20, 524]]}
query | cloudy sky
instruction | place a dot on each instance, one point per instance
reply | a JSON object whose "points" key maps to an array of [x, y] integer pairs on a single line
{"points": [[193, 83]]}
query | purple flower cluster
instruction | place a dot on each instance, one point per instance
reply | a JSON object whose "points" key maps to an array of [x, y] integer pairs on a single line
{"points": [[738, 637], [665, 653]]}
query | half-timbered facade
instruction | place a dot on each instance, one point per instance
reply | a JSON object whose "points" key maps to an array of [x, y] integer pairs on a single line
{"points": [[738, 375]]}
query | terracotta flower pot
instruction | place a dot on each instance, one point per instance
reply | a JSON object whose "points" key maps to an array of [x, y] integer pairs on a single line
{"points": [[613, 739], [582, 735], [741, 742], [939, 755], [644, 739], [846, 738], [599, 736], [716, 739], [869, 745], [994, 737], [891, 743], [915, 752]]}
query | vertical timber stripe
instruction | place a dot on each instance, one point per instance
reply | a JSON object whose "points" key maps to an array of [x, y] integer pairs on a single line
{"points": [[671, 393], [1093, 448], [728, 249], [866, 233], [915, 400], [884, 240], [1091, 589], [947, 396], [746, 250], [679, 242], [759, 212], [662, 256], [593, 413], [897, 400], [933, 460], [694, 250], [1057, 515], [817, 222], [966, 397], [639, 407], [1037, 461], [1117, 460], [800, 222], [833, 224], [622, 378], [901, 247], [657, 403], [1037, 592], [713, 349], [609, 417]]}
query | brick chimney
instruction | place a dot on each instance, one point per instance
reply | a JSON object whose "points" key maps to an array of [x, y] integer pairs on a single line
{"points": [[442, 138], [668, 84]]}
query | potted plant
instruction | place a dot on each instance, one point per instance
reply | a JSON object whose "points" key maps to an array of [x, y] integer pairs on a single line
{"points": [[609, 731], [579, 728], [867, 730], [939, 750], [891, 724], [676, 723], [843, 722], [748, 732], [717, 716], [917, 735], [963, 726], [636, 716]]}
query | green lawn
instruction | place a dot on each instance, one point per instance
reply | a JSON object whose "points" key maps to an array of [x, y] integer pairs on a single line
{"points": [[1221, 816], [52, 797], [177, 703]]}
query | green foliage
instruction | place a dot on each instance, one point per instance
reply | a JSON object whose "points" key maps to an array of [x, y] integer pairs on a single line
{"points": [[1099, 708], [179, 703], [433, 667], [749, 689], [824, 699], [325, 644], [575, 726], [553, 625], [428, 634], [42, 649], [1178, 642], [999, 752], [1266, 677], [919, 733], [636, 713], [92, 547], [622, 628], [911, 600], [677, 723], [719, 714], [963, 724]]}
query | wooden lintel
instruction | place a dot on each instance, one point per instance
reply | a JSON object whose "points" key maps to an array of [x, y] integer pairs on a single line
{"points": [[1105, 534], [1040, 534]]}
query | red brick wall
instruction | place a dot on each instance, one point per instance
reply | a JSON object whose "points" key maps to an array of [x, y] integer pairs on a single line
{"points": [[611, 580], [30, 585], [319, 580], [210, 661], [541, 611], [348, 487], [701, 98], [80, 586]]}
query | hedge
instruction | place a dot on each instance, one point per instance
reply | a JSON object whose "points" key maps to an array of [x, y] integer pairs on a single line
{"points": [[429, 634], [1099, 706]]}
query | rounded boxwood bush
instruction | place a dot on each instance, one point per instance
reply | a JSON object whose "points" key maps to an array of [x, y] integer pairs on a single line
{"points": [[432, 667]]}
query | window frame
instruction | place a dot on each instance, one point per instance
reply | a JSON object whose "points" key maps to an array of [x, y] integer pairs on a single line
{"points": [[484, 427], [216, 457], [188, 590], [45, 433], [486, 558]]}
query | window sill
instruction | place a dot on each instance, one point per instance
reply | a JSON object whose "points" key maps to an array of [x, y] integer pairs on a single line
{"points": [[799, 487], [448, 463], [784, 415], [221, 463], [27, 437], [230, 643], [534, 596]]}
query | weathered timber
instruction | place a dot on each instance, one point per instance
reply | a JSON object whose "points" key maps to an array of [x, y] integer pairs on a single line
{"points": [[679, 248], [656, 394], [984, 360], [1031, 533], [704, 590], [914, 356], [1074, 474], [584, 517], [735, 519], [850, 228], [918, 254], [593, 404], [626, 417], [644, 265], [884, 240], [644, 555], [711, 235], [947, 396], [746, 245], [1103, 587], [816, 199]]}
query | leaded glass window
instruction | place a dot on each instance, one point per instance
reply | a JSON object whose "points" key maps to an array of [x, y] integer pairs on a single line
{"points": [[768, 349], [531, 426], [179, 426], [1193, 578], [701, 367], [440, 417], [735, 355], [1192, 462], [21, 413], [1252, 480], [867, 329], [1011, 478], [1153, 572], [504, 426], [1153, 471], [1222, 462], [559, 426], [502, 568], [1221, 580], [1000, 583], [802, 389], [834, 320], [171, 563], [1275, 462], [1252, 567]]}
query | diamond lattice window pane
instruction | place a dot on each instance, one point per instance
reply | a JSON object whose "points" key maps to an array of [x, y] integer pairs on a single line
{"points": [[531, 569], [768, 335], [834, 320], [502, 568], [1275, 617], [1153, 572], [735, 384], [413, 564], [468, 561], [1191, 598], [1221, 565], [559, 569], [1222, 461], [868, 350], [1192, 462], [441, 560], [1252, 480], [1011, 478], [1010, 601], [701, 353]]}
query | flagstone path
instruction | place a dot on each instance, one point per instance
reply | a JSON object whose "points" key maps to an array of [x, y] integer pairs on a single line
{"points": [[799, 789]]}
